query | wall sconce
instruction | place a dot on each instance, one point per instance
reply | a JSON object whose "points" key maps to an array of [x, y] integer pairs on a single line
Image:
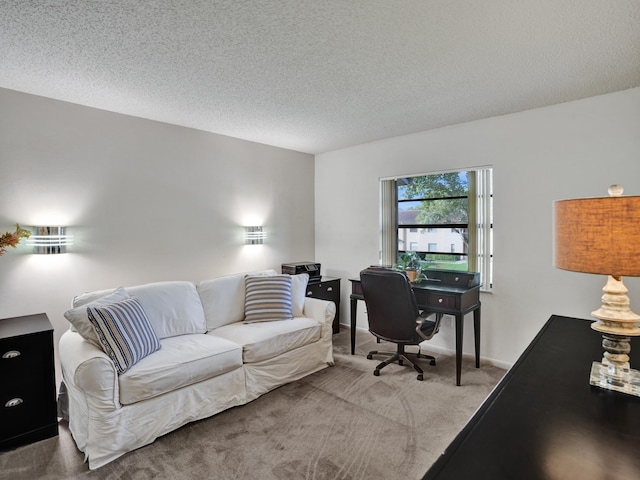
{"points": [[49, 240], [254, 235], [600, 235]]}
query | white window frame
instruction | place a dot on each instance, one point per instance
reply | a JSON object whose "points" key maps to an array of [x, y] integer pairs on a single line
{"points": [[480, 213]]}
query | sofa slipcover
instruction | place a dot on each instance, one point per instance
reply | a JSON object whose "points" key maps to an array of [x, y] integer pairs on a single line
{"points": [[209, 361]]}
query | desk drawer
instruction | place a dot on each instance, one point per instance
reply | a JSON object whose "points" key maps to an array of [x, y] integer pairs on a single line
{"points": [[25, 407], [356, 288], [325, 290], [441, 300], [27, 375]]}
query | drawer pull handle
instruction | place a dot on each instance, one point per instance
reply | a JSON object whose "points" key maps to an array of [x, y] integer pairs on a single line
{"points": [[440, 300], [457, 278], [330, 289], [14, 402], [11, 354], [309, 294]]}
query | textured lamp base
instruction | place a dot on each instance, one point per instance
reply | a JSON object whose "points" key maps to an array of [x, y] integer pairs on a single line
{"points": [[618, 324], [614, 377]]}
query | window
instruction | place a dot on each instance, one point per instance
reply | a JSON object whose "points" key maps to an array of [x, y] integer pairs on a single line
{"points": [[445, 217]]}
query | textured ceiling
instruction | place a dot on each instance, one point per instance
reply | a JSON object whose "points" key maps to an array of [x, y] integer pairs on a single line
{"points": [[317, 75]]}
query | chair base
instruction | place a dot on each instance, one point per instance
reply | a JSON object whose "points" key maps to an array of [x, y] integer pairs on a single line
{"points": [[401, 357]]}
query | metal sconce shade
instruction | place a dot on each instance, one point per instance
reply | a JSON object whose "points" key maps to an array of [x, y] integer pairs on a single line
{"points": [[254, 235], [49, 240]]}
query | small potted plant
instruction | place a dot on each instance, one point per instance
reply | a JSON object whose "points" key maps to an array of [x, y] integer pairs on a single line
{"points": [[409, 262]]}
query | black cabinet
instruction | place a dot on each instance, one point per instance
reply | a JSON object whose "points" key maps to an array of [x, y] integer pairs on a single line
{"points": [[27, 387], [327, 288]]}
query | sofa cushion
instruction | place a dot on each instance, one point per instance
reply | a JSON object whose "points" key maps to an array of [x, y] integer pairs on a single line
{"points": [[182, 361], [223, 298], [78, 316], [298, 293], [86, 298], [124, 332], [264, 340], [173, 308], [267, 298]]}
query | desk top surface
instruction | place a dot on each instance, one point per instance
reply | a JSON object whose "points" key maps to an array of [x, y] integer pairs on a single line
{"points": [[434, 286], [545, 421]]}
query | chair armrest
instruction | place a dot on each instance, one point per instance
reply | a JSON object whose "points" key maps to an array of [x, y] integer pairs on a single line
{"points": [[323, 311], [88, 372], [426, 328]]}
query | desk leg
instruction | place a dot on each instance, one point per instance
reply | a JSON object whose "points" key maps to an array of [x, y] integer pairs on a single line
{"points": [[354, 314], [459, 331], [476, 330]]}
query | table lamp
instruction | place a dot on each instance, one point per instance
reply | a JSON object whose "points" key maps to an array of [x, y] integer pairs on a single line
{"points": [[602, 236]]}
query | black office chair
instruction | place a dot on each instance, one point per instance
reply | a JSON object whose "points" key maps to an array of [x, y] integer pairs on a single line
{"points": [[394, 315]]}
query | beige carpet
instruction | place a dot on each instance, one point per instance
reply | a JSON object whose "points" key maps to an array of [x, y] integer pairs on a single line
{"points": [[340, 423]]}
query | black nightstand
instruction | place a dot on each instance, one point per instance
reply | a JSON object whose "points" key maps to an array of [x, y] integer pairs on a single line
{"points": [[27, 391], [327, 288]]}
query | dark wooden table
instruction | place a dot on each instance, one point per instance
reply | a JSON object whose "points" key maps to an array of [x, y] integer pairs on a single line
{"points": [[545, 421]]}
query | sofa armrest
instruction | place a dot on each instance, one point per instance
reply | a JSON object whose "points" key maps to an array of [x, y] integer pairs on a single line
{"points": [[321, 310], [89, 372]]}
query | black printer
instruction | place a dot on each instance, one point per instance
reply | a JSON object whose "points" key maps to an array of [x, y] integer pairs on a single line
{"points": [[295, 268]]}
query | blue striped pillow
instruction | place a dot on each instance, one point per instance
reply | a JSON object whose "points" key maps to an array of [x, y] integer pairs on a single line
{"points": [[124, 332], [267, 298]]}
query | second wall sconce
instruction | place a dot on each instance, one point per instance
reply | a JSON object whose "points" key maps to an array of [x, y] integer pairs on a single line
{"points": [[49, 240], [254, 235]]}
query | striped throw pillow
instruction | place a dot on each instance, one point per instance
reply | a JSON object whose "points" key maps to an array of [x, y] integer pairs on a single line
{"points": [[267, 298], [124, 332]]}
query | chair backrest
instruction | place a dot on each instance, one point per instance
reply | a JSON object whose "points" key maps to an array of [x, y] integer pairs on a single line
{"points": [[392, 309]]}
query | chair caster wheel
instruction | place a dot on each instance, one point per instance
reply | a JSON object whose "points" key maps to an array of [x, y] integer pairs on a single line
{"points": [[400, 362], [420, 377], [369, 357], [432, 363], [376, 373]]}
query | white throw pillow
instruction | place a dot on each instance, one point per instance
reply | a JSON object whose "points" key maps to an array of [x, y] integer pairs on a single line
{"points": [[79, 318], [173, 308]]}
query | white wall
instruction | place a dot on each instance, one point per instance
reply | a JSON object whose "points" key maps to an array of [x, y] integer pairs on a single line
{"points": [[146, 202], [565, 151]]}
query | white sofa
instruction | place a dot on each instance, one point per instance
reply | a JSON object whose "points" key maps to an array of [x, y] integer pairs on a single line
{"points": [[209, 360]]}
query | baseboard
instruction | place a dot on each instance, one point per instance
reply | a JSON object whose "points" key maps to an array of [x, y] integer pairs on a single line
{"points": [[466, 356], [449, 351]]}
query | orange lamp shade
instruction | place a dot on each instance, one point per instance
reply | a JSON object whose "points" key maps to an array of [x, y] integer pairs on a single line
{"points": [[598, 235]]}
